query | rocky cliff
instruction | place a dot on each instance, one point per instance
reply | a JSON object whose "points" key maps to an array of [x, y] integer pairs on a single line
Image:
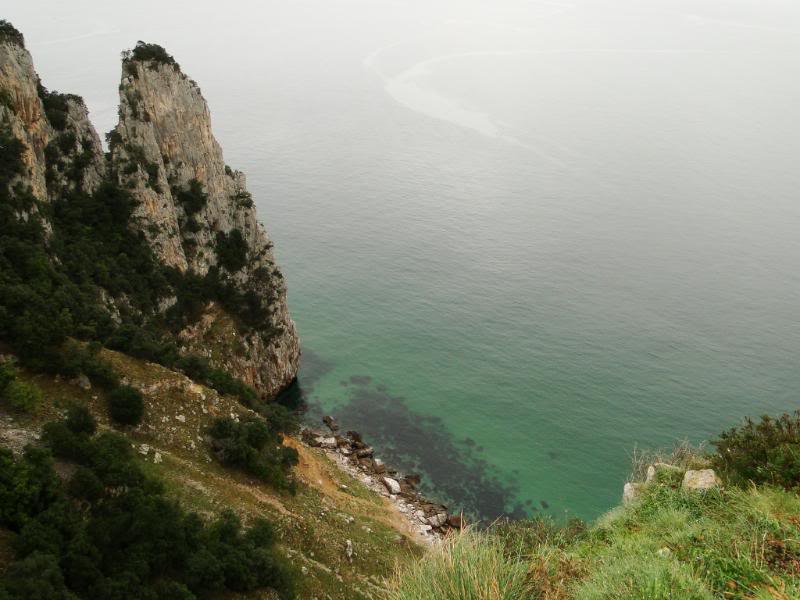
{"points": [[194, 210], [198, 215]]}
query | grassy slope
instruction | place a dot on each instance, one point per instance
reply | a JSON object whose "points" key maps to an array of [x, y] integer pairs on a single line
{"points": [[329, 508], [670, 544]]}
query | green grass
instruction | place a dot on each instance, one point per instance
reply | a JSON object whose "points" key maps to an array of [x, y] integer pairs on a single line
{"points": [[670, 544], [467, 566]]}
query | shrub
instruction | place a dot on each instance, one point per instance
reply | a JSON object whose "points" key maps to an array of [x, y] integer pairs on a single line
{"points": [[232, 250], [22, 397], [126, 405], [17, 395], [111, 533], [152, 53], [56, 106], [193, 198], [256, 448], [767, 451], [80, 420], [10, 34]]}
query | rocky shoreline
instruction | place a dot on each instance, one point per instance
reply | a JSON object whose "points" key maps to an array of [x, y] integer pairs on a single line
{"points": [[356, 457]]}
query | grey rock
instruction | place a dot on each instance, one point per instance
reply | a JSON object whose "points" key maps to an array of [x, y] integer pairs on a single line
{"points": [[392, 485], [701, 480], [630, 492]]}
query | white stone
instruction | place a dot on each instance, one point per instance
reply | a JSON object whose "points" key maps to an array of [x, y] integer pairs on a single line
{"points": [[651, 474], [701, 480], [180, 418], [391, 485], [437, 520], [327, 442], [630, 492]]}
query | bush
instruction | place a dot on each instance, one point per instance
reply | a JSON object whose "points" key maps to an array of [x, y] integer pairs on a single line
{"points": [[22, 397], [10, 34], [252, 445], [80, 420], [232, 250], [111, 533], [16, 394], [193, 199], [152, 53], [767, 451], [126, 405]]}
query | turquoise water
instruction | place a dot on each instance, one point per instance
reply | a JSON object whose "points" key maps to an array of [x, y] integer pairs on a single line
{"points": [[520, 238]]}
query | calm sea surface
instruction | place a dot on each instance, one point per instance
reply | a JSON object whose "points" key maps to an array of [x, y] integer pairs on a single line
{"points": [[520, 238]]}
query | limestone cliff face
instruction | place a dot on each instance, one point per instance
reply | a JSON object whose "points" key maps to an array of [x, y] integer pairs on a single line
{"points": [[76, 160], [22, 111], [62, 152], [194, 210], [164, 152]]}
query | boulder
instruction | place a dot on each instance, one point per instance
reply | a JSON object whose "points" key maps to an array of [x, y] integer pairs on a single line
{"points": [[326, 442], [438, 519], [630, 492], [355, 436], [82, 381], [364, 452], [331, 423], [391, 485], [348, 550], [378, 466], [701, 480]]}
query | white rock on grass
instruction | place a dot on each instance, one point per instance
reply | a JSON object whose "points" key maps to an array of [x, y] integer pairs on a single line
{"points": [[630, 492], [701, 480], [659, 466]]}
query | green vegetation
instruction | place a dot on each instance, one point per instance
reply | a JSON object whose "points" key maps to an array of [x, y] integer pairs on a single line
{"points": [[193, 199], [15, 394], [464, 567], [10, 34], [109, 531], [255, 446], [243, 198], [153, 53], [740, 541], [126, 405], [56, 106], [764, 452], [232, 250]]}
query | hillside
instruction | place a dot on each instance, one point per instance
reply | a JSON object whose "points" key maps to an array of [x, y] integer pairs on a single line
{"points": [[313, 525]]}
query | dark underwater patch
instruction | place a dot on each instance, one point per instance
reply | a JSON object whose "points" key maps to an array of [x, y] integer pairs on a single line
{"points": [[297, 396], [360, 379], [421, 444]]}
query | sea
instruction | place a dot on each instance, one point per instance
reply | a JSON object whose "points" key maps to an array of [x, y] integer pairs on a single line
{"points": [[523, 239]]}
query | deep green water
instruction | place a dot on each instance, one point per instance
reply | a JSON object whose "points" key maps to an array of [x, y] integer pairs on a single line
{"points": [[520, 238]]}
